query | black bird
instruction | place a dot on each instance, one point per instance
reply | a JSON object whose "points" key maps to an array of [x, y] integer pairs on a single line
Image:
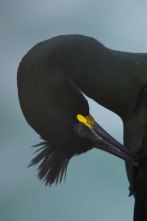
{"points": [[52, 80]]}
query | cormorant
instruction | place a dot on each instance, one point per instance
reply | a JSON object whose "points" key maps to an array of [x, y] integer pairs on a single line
{"points": [[52, 80]]}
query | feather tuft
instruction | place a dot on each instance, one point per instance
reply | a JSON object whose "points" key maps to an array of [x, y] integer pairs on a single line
{"points": [[53, 162]]}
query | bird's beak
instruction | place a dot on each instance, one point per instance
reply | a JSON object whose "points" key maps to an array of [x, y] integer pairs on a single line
{"points": [[107, 143]]}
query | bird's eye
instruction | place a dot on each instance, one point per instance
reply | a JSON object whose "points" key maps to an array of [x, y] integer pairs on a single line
{"points": [[79, 130]]}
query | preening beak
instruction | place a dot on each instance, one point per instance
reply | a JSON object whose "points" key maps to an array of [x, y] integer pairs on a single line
{"points": [[107, 143]]}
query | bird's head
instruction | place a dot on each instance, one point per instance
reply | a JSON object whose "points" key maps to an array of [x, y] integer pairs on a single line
{"points": [[69, 130]]}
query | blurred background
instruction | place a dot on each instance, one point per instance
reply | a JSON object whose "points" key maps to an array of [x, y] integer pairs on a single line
{"points": [[96, 186]]}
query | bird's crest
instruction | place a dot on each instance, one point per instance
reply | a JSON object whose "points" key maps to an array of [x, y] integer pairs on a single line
{"points": [[53, 162]]}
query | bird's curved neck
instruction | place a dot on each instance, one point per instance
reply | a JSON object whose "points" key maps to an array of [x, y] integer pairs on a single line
{"points": [[114, 79]]}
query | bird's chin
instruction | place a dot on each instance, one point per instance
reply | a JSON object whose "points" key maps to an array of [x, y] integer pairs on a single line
{"points": [[107, 143]]}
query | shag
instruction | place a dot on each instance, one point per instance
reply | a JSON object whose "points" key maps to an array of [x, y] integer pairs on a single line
{"points": [[53, 78]]}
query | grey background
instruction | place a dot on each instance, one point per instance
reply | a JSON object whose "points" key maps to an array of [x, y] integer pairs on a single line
{"points": [[96, 187]]}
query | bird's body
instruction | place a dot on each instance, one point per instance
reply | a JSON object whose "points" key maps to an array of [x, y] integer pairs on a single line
{"points": [[52, 76]]}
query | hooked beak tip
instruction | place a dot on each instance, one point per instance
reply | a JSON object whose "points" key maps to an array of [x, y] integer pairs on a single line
{"points": [[109, 144]]}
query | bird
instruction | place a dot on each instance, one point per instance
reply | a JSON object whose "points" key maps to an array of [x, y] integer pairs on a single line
{"points": [[53, 79]]}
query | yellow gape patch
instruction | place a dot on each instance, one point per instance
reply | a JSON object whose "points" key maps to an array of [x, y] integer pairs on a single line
{"points": [[87, 120]]}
